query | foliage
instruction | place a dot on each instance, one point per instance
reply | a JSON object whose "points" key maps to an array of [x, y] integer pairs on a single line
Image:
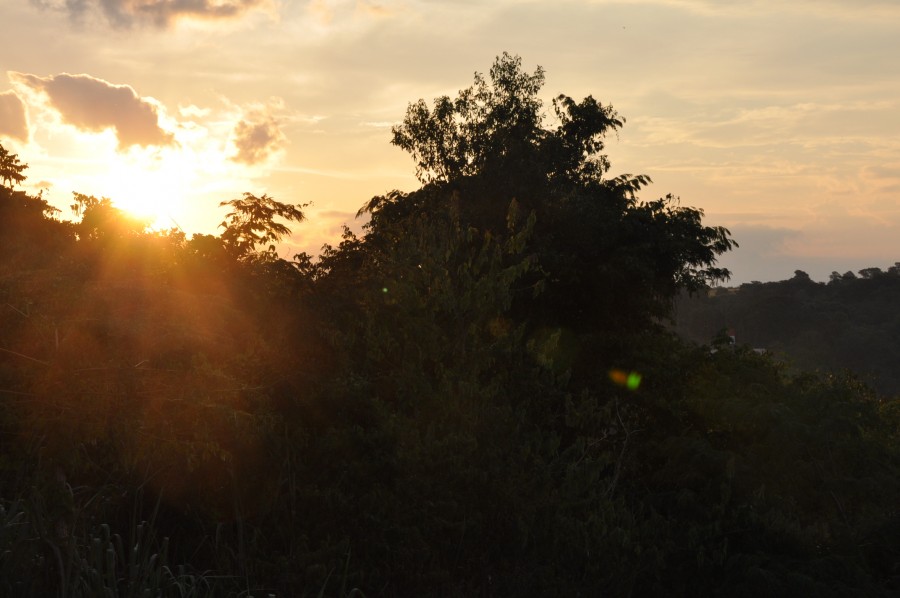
{"points": [[11, 168], [490, 146], [849, 323], [473, 397], [483, 125], [251, 222], [102, 221]]}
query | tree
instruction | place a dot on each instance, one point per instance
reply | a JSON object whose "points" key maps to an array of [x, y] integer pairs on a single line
{"points": [[870, 273], [251, 222], [100, 219], [10, 168], [605, 257], [483, 125], [498, 127]]}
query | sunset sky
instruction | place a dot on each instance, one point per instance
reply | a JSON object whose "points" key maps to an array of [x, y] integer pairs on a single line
{"points": [[781, 120]]}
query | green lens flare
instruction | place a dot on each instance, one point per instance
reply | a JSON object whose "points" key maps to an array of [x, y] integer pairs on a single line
{"points": [[633, 381], [630, 380]]}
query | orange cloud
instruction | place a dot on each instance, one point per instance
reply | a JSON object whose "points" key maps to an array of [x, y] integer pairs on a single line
{"points": [[257, 136], [92, 104], [13, 121]]}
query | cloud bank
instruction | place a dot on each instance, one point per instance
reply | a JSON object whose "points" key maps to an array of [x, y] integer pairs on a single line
{"points": [[95, 105], [13, 121], [158, 13]]}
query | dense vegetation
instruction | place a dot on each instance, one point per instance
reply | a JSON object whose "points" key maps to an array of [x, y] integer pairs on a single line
{"points": [[849, 323], [475, 397]]}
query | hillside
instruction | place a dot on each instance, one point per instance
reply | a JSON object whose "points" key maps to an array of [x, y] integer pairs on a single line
{"points": [[849, 323]]}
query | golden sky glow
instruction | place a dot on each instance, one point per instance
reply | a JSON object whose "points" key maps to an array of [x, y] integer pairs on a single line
{"points": [[780, 120]]}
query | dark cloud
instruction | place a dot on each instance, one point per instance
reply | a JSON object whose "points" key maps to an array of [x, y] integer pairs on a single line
{"points": [[159, 13], [92, 104], [13, 122], [256, 138]]}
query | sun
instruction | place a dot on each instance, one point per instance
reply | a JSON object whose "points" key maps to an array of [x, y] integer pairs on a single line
{"points": [[153, 188]]}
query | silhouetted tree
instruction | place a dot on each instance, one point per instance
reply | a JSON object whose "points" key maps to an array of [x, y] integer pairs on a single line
{"points": [[252, 222], [869, 273], [10, 168], [593, 237], [498, 129], [100, 219]]}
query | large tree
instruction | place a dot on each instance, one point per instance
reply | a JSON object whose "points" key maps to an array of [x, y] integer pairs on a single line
{"points": [[498, 129], [606, 258]]}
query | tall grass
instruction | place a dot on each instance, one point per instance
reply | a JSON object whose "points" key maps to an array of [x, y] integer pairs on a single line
{"points": [[50, 545]]}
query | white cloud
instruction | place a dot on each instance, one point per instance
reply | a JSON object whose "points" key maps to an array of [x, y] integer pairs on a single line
{"points": [[192, 111]]}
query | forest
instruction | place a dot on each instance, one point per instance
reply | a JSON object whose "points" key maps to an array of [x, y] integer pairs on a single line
{"points": [[481, 394], [849, 323]]}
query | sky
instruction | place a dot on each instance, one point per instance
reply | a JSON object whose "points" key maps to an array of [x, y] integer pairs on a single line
{"points": [[780, 120]]}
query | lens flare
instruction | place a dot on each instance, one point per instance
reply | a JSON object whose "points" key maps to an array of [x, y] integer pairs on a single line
{"points": [[630, 380]]}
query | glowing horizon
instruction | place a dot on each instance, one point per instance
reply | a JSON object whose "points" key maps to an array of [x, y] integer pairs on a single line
{"points": [[779, 121]]}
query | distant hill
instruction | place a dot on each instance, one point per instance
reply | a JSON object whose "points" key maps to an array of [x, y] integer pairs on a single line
{"points": [[851, 322]]}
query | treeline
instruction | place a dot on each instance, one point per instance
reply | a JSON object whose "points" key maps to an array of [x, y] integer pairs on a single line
{"points": [[849, 323], [474, 397]]}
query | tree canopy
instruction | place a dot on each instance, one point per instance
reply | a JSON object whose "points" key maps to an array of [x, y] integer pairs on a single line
{"points": [[492, 145], [498, 128], [849, 323]]}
